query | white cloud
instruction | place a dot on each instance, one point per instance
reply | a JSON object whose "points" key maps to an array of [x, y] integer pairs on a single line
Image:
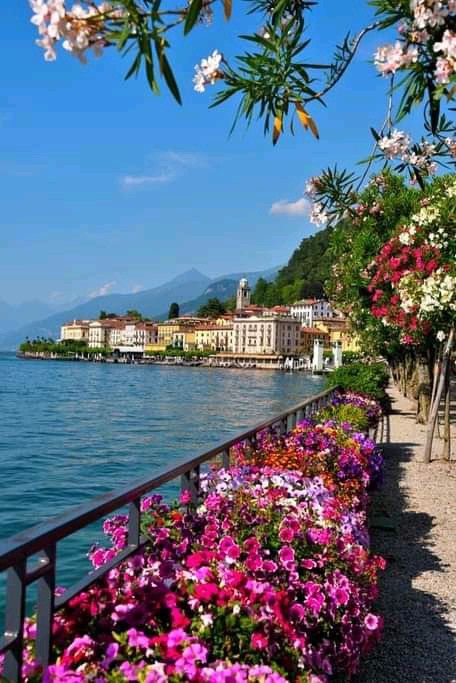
{"points": [[103, 290], [301, 207], [186, 159], [137, 288], [169, 166], [135, 180]]}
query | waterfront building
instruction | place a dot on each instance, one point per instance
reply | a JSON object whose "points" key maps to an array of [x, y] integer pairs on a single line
{"points": [[214, 337], [100, 332], [339, 331], [309, 335], [168, 329], [138, 334], [270, 334], [243, 295], [308, 310], [77, 330], [121, 332], [185, 339]]}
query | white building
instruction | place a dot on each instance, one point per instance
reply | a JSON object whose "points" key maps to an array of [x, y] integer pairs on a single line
{"points": [[77, 330], [268, 334], [307, 310], [243, 295], [115, 333]]}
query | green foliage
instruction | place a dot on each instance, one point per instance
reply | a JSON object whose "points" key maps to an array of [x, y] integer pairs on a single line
{"points": [[354, 243], [350, 357], [302, 277], [345, 412], [230, 304], [133, 313], [173, 311], [211, 309], [107, 316], [67, 348], [360, 377]]}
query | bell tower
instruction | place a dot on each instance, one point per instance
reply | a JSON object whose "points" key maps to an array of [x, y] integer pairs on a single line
{"points": [[243, 295]]}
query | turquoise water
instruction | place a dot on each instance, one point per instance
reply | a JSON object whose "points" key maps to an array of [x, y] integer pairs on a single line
{"points": [[69, 431]]}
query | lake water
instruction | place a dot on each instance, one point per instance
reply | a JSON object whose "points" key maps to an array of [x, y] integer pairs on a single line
{"points": [[69, 431]]}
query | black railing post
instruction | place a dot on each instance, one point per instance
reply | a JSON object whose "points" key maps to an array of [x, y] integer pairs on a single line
{"points": [[45, 611], [226, 459], [134, 523], [14, 621], [190, 481]]}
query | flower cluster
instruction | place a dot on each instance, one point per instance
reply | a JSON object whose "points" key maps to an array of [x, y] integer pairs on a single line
{"points": [[79, 29], [427, 37], [267, 580], [398, 145], [371, 407], [346, 461], [208, 71], [413, 283]]}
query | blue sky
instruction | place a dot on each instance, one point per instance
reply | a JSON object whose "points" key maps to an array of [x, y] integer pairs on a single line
{"points": [[104, 185]]}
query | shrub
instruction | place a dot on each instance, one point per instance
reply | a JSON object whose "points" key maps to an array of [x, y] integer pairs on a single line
{"points": [[360, 377], [345, 413]]}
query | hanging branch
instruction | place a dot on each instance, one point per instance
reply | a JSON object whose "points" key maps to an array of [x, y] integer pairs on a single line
{"points": [[438, 397]]}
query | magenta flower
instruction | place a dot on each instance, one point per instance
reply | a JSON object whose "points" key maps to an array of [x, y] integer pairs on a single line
{"points": [[258, 641], [371, 622], [185, 498], [137, 639]]}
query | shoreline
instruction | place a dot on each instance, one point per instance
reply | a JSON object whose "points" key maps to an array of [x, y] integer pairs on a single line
{"points": [[248, 364]]}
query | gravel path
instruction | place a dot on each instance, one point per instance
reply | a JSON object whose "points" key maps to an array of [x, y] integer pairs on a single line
{"points": [[413, 525]]}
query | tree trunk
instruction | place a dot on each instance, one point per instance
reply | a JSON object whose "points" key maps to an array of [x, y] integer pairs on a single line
{"points": [[438, 395], [423, 390], [446, 420]]}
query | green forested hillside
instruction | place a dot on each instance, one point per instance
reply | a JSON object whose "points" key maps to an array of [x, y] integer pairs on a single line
{"points": [[303, 276]]}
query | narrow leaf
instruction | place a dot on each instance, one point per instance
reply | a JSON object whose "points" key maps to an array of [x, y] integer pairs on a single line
{"points": [[306, 120], [276, 131], [169, 78], [192, 15], [227, 8]]}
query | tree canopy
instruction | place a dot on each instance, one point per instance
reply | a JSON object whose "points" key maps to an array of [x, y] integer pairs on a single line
{"points": [[173, 311], [211, 309]]}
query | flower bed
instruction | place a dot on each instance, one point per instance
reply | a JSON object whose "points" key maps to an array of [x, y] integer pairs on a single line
{"points": [[268, 579]]}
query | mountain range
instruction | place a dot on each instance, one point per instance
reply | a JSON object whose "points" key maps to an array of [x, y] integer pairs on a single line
{"points": [[190, 290]]}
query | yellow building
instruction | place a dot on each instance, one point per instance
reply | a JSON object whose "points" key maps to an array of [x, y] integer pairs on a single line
{"points": [[309, 335], [338, 330], [177, 332], [214, 337], [154, 348], [185, 339], [78, 330]]}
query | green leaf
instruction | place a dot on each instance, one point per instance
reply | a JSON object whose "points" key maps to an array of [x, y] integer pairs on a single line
{"points": [[192, 15], [376, 136], [135, 66], [227, 8], [169, 78]]}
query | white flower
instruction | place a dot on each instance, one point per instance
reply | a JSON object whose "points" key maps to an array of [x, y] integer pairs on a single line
{"points": [[207, 71], [440, 335], [395, 145], [318, 215]]}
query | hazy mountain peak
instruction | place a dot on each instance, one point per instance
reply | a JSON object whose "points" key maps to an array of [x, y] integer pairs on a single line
{"points": [[190, 275]]}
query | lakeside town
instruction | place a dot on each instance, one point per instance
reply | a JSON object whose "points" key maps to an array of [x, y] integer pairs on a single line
{"points": [[306, 335]]}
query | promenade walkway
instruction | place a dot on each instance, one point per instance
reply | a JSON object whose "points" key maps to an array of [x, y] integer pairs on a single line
{"points": [[413, 525]]}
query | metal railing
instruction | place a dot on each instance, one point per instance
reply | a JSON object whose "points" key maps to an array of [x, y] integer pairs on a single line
{"points": [[42, 540]]}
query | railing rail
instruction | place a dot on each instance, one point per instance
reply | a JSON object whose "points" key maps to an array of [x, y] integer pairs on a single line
{"points": [[43, 539]]}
